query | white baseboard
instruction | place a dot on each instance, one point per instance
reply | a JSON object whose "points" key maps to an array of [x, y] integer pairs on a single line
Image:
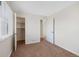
{"points": [[49, 41], [73, 52], [32, 42], [69, 50], [10, 53]]}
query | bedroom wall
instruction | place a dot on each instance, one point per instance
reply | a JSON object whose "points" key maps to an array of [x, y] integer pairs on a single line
{"points": [[67, 28], [6, 40], [6, 46]]}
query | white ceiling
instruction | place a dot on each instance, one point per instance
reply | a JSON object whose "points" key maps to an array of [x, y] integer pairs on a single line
{"points": [[44, 8]]}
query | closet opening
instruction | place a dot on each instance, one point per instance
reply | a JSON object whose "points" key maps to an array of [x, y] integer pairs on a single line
{"points": [[20, 30]]}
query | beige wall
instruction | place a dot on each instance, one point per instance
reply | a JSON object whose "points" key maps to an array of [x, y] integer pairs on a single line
{"points": [[6, 46]]}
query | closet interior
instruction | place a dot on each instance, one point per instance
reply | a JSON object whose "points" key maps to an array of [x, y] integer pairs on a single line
{"points": [[20, 29]]}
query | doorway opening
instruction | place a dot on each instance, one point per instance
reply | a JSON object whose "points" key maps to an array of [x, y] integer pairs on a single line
{"points": [[20, 30], [41, 30]]}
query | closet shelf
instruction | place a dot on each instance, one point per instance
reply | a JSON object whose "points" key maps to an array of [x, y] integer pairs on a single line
{"points": [[20, 28], [20, 23]]}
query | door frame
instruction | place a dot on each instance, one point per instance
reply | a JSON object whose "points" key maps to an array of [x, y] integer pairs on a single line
{"points": [[53, 31], [14, 31]]}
